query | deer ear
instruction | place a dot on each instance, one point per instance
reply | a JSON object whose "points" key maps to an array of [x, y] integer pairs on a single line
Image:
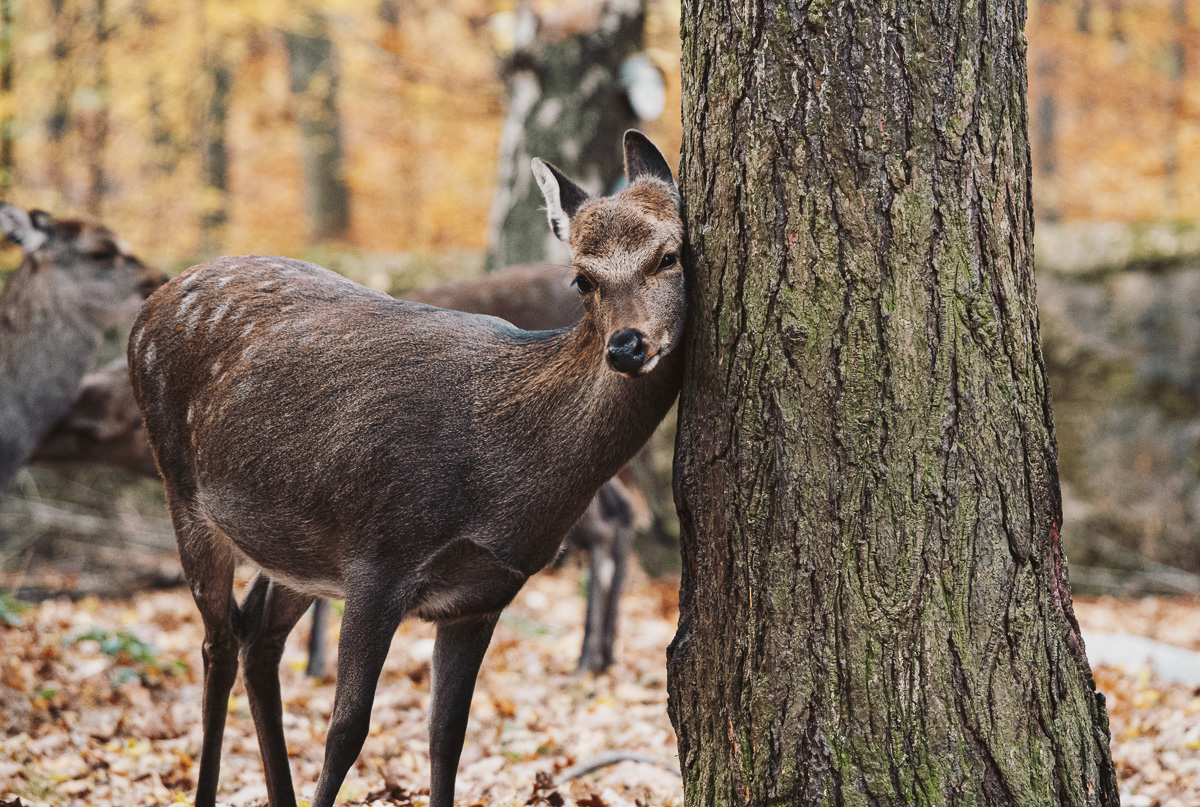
{"points": [[563, 197], [29, 229], [643, 159]]}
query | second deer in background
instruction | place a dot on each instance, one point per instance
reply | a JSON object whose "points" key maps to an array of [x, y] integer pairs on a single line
{"points": [[76, 278]]}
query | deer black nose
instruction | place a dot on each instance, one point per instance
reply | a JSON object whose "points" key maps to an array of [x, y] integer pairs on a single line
{"points": [[627, 350]]}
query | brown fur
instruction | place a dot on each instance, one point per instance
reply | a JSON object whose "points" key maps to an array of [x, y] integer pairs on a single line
{"points": [[414, 460]]}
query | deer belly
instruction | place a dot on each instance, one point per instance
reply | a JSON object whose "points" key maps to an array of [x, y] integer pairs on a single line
{"points": [[282, 547]]}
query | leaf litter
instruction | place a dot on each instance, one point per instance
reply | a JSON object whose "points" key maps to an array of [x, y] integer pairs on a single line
{"points": [[100, 705]]}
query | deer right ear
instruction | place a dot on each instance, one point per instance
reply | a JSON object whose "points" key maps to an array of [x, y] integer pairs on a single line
{"points": [[22, 227], [643, 159], [563, 197]]}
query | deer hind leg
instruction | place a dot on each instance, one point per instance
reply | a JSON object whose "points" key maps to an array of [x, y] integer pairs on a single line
{"points": [[621, 548], [266, 617], [208, 561]]}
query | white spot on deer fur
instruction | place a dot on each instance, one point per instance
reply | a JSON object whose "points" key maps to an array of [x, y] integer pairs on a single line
{"points": [[137, 340], [248, 351], [217, 315], [190, 414], [223, 282], [148, 356], [194, 319], [191, 277], [216, 368], [187, 302], [267, 285], [246, 331]]}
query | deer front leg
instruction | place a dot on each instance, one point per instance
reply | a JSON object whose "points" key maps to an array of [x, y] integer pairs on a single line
{"points": [[372, 614], [266, 617], [457, 653]]}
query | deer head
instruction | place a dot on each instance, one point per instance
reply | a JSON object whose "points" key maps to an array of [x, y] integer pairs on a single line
{"points": [[625, 253], [89, 262]]}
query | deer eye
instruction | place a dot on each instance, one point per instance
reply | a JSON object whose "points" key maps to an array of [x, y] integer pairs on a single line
{"points": [[583, 284], [101, 255], [668, 260]]}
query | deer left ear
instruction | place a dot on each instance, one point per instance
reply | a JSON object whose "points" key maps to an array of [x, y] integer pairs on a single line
{"points": [[29, 229], [643, 159], [563, 197]]}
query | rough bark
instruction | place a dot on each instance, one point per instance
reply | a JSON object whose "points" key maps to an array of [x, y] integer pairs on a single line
{"points": [[313, 66], [567, 106], [875, 607]]}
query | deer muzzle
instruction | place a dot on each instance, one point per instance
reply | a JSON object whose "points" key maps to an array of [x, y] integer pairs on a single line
{"points": [[627, 351]]}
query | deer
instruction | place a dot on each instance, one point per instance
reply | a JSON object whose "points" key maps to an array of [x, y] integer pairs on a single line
{"points": [[414, 461], [104, 427], [76, 279]]}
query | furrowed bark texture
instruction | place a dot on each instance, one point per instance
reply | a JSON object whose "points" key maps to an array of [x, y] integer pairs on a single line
{"points": [[875, 607]]}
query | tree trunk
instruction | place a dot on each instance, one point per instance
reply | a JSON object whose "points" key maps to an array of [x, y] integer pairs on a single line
{"points": [[58, 121], [95, 123], [567, 106], [8, 120], [313, 66], [875, 607], [214, 153]]}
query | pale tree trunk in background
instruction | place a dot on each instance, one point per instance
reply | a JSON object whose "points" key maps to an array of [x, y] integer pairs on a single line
{"points": [[875, 607], [313, 66], [95, 122], [567, 106]]}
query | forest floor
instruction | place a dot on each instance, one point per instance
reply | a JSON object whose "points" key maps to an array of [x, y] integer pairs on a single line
{"points": [[100, 705]]}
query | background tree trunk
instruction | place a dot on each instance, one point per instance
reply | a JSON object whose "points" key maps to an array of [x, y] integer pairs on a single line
{"points": [[567, 106], [875, 607], [58, 122], [214, 152], [8, 120], [313, 65], [95, 122]]}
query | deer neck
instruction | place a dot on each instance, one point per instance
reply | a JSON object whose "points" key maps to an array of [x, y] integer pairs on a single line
{"points": [[582, 416]]}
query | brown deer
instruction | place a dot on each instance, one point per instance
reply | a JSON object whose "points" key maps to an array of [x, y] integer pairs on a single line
{"points": [[104, 427], [76, 278], [413, 460]]}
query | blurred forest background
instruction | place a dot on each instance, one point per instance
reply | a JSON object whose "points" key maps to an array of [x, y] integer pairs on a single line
{"points": [[389, 140]]}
